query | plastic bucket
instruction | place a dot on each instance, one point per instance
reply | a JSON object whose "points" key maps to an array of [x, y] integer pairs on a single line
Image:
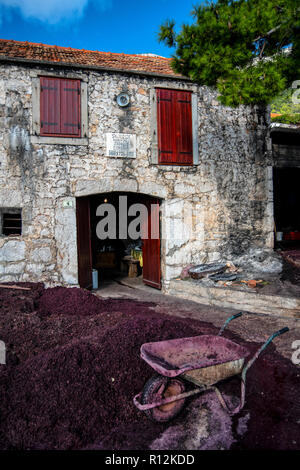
{"points": [[95, 278]]}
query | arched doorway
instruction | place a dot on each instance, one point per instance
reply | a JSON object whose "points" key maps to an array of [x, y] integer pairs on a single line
{"points": [[118, 234]]}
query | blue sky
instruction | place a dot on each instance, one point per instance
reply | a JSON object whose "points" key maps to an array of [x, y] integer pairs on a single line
{"points": [[106, 25]]}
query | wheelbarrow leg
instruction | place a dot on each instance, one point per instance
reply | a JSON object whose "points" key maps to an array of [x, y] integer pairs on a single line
{"points": [[244, 373]]}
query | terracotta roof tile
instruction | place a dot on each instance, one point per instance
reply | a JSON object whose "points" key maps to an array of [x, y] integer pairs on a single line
{"points": [[108, 60]]}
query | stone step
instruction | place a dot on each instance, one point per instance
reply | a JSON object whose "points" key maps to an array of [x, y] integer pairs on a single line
{"points": [[226, 297]]}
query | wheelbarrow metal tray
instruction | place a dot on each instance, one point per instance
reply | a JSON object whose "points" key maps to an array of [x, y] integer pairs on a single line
{"points": [[204, 359], [213, 374]]}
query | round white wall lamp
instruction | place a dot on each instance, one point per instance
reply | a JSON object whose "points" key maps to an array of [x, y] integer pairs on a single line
{"points": [[123, 99]]}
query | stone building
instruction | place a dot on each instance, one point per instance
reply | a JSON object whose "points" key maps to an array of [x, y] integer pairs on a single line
{"points": [[81, 128]]}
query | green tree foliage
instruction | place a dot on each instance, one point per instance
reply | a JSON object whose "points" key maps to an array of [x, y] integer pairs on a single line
{"points": [[248, 49]]}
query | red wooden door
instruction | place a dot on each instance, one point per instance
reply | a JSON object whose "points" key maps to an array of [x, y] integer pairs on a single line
{"points": [[151, 245], [84, 242]]}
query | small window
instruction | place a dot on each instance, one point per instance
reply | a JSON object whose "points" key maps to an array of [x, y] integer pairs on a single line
{"points": [[11, 222], [174, 127], [60, 107]]}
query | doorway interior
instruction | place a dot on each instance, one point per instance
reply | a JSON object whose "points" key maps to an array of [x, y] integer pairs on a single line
{"points": [[116, 254], [286, 207]]}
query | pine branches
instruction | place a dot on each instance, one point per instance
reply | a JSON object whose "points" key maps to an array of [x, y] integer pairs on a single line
{"points": [[239, 47]]}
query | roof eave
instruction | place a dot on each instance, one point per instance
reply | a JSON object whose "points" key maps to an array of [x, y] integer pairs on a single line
{"points": [[282, 127], [21, 60]]}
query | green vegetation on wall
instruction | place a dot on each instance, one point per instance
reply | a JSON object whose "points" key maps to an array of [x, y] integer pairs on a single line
{"points": [[288, 109]]}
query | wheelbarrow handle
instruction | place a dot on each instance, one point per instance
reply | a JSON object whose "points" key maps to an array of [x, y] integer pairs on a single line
{"points": [[280, 332], [261, 349], [244, 372], [233, 317]]}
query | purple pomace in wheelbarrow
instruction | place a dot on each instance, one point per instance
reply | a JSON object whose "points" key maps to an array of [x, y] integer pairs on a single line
{"points": [[201, 360]]}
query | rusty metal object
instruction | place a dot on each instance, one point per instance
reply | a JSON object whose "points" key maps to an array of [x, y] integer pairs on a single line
{"points": [[201, 270], [223, 277]]}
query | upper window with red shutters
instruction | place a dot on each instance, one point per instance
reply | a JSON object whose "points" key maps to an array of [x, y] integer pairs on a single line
{"points": [[174, 127], [60, 113]]}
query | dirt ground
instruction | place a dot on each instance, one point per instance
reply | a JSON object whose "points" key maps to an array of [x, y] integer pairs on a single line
{"points": [[73, 367]]}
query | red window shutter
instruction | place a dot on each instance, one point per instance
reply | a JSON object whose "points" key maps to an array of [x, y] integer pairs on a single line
{"points": [[174, 126], [165, 126], [50, 105], [183, 128], [70, 107]]}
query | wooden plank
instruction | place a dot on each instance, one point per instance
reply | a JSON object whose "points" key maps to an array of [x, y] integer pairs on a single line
{"points": [[50, 106], [4, 286], [166, 127], [183, 127], [70, 107], [286, 152]]}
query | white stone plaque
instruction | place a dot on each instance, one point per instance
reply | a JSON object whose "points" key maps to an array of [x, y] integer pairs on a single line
{"points": [[120, 145]]}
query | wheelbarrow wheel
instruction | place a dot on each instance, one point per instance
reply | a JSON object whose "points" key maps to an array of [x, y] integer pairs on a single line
{"points": [[157, 388]]}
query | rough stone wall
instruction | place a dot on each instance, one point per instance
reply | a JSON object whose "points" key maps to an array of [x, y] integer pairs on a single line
{"points": [[227, 197]]}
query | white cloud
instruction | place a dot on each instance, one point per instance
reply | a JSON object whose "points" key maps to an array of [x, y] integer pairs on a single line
{"points": [[53, 11]]}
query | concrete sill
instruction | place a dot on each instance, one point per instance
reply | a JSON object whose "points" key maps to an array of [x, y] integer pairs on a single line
{"points": [[35, 139]]}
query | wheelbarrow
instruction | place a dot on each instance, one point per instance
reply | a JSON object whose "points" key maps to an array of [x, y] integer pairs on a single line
{"points": [[201, 360]]}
